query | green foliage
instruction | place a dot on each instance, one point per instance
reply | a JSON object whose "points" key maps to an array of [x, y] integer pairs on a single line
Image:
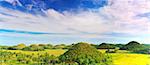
{"points": [[144, 51], [61, 46], [136, 47], [67, 46], [36, 47], [94, 45], [22, 59], [21, 46], [33, 48], [106, 46], [120, 46], [83, 54], [4, 47], [77, 54], [48, 46], [133, 46], [112, 50], [18, 47]]}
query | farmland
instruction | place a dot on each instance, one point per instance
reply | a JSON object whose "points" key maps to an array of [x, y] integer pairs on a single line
{"points": [[132, 53], [121, 58]]}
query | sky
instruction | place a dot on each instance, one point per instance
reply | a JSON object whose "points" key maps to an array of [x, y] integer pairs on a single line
{"points": [[69, 21]]}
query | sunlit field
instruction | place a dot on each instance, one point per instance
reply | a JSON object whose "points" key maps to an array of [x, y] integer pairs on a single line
{"points": [[130, 59], [122, 57], [55, 52]]}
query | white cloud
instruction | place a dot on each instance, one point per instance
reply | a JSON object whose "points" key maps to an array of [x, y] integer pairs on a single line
{"points": [[119, 16]]}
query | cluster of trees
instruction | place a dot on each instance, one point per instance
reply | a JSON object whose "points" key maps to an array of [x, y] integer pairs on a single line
{"points": [[35, 47], [137, 47], [78, 54], [132, 46]]}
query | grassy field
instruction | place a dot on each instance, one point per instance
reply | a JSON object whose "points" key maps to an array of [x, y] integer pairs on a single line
{"points": [[130, 59], [123, 57], [55, 52], [120, 58]]}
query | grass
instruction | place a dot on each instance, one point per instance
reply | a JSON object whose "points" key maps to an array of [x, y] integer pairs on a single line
{"points": [[55, 52], [130, 59], [121, 58]]}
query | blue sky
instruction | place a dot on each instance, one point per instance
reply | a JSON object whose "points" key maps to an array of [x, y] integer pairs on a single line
{"points": [[71, 21]]}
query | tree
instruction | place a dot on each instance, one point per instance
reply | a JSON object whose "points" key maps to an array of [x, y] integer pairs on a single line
{"points": [[133, 46], [48, 46], [143, 51], [142, 48], [33, 47], [83, 54], [120, 46], [106, 46]]}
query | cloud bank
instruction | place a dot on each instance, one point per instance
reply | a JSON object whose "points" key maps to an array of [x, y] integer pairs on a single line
{"points": [[119, 21]]}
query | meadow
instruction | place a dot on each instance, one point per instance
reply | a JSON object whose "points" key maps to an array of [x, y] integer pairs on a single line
{"points": [[122, 57], [132, 53]]}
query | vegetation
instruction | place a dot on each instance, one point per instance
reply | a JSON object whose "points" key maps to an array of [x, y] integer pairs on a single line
{"points": [[84, 54], [76, 54], [106, 46], [136, 47], [133, 46], [20, 58], [112, 50], [122, 57], [18, 47]]}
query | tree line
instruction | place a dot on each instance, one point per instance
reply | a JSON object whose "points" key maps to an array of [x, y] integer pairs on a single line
{"points": [[132, 46]]}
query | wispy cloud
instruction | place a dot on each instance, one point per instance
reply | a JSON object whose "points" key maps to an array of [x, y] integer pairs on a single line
{"points": [[146, 15], [116, 20], [21, 32]]}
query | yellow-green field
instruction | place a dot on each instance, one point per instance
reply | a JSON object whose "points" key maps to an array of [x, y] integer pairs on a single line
{"points": [[55, 52], [120, 58], [130, 59]]}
